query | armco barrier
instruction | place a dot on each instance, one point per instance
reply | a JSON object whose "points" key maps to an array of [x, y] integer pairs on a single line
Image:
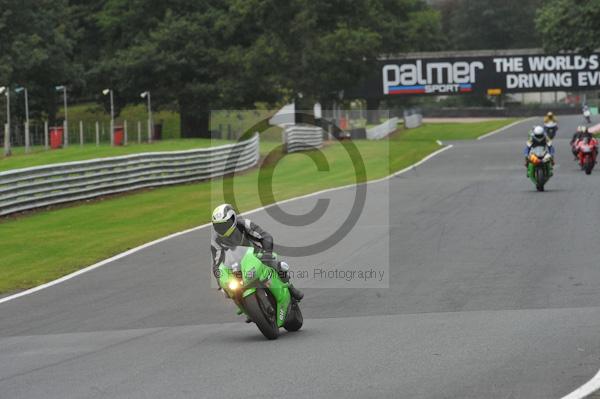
{"points": [[40, 186], [380, 131], [413, 121], [302, 138]]}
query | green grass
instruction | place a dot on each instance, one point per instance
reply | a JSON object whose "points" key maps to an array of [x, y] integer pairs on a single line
{"points": [[45, 245], [74, 152], [456, 131]]}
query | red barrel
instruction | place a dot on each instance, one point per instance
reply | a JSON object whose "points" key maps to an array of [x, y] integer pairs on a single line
{"points": [[119, 134], [343, 123], [56, 137]]}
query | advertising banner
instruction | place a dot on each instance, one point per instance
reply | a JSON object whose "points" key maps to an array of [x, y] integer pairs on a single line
{"points": [[491, 75]]}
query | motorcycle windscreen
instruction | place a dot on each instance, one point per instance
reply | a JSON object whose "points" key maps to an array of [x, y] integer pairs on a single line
{"points": [[234, 256], [539, 152]]}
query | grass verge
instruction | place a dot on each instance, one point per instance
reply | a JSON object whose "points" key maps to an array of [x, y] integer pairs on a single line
{"points": [[42, 246], [89, 151]]}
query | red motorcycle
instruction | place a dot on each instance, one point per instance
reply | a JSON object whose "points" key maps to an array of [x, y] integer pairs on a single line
{"points": [[587, 150]]}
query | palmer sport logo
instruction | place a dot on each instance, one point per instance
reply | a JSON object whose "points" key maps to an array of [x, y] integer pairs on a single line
{"points": [[430, 77]]}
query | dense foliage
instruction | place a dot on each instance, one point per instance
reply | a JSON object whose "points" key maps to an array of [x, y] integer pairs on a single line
{"points": [[570, 25], [205, 54], [199, 55], [490, 24]]}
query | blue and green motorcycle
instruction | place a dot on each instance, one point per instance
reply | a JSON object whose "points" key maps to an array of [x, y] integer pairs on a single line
{"points": [[539, 167]]}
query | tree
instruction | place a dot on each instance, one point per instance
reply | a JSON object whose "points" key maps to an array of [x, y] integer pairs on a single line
{"points": [[490, 24], [569, 25], [186, 55], [205, 55], [36, 50]]}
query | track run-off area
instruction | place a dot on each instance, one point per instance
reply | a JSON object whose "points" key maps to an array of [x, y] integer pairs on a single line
{"points": [[494, 292]]}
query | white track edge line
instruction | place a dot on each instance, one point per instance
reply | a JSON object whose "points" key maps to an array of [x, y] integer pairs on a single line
{"points": [[157, 241], [504, 128], [586, 389]]}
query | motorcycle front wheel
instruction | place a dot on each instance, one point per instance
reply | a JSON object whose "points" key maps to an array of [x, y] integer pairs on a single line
{"points": [[261, 311], [540, 178]]}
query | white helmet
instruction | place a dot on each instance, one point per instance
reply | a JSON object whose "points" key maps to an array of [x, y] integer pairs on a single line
{"points": [[224, 220], [538, 133]]}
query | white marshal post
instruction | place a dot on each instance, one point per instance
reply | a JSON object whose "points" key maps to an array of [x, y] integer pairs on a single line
{"points": [[7, 149], [46, 135], [81, 133], [27, 138], [63, 88], [112, 115], [146, 95]]}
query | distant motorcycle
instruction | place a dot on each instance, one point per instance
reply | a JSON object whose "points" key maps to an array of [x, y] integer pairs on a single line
{"points": [[539, 167], [586, 150], [587, 114], [551, 129]]}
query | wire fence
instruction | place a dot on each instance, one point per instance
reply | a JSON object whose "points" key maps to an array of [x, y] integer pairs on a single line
{"points": [[79, 133]]}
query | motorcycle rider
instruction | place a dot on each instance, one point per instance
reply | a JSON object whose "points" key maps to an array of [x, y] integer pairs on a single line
{"points": [[587, 113], [538, 138], [550, 125], [550, 118], [586, 138], [585, 133], [576, 137], [231, 230]]}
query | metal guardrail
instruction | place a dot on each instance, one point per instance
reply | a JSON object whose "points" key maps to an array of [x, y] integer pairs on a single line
{"points": [[302, 138], [380, 131], [35, 187]]}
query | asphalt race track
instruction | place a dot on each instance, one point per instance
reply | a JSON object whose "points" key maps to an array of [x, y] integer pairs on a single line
{"points": [[494, 292]]}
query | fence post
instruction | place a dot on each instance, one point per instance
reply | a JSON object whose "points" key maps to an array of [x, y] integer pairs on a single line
{"points": [[46, 134], [284, 140], [125, 132], [65, 133], [149, 130], [81, 133], [139, 132], [6, 140], [97, 134], [27, 137]]}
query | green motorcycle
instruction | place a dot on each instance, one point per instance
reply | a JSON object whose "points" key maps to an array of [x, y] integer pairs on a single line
{"points": [[539, 168], [259, 292]]}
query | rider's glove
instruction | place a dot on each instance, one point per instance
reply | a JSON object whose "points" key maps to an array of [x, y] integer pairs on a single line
{"points": [[267, 256], [268, 259]]}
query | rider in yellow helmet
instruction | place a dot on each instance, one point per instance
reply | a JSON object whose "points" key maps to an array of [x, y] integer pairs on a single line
{"points": [[549, 118]]}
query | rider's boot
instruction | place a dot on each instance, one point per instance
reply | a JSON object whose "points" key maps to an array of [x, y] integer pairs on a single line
{"points": [[295, 292]]}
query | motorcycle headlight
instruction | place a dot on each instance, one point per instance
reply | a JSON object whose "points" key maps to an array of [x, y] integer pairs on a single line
{"points": [[234, 285]]}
